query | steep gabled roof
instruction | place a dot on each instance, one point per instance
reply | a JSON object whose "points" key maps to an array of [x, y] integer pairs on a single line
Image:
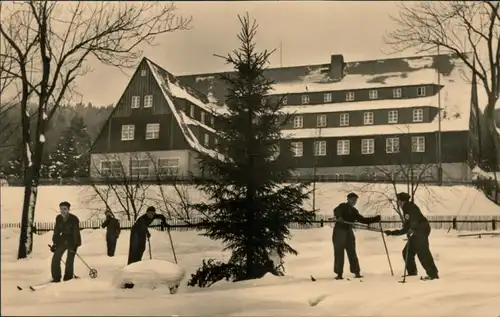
{"points": [[171, 89]]}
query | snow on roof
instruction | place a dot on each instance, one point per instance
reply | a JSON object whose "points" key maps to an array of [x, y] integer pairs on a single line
{"points": [[177, 91], [191, 121], [166, 88], [455, 97], [316, 81]]}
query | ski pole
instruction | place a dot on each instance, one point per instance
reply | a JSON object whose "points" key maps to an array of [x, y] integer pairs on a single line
{"points": [[172, 244], [92, 272], [406, 261], [385, 246], [149, 247], [361, 226]]}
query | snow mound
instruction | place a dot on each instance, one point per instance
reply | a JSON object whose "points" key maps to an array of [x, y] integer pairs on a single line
{"points": [[150, 274]]}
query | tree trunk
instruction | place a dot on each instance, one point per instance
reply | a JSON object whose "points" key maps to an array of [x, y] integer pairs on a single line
{"points": [[28, 215]]}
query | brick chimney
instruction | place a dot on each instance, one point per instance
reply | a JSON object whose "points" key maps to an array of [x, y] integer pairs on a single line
{"points": [[337, 67]]}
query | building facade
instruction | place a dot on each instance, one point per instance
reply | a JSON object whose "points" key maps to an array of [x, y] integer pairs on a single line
{"points": [[378, 118]]}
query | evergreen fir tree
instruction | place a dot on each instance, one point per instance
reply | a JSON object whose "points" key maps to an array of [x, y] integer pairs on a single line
{"points": [[70, 158], [252, 201]]}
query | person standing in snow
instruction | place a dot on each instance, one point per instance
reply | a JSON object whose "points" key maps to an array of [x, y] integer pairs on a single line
{"points": [[66, 238], [140, 233], [343, 236], [417, 228], [112, 226]]}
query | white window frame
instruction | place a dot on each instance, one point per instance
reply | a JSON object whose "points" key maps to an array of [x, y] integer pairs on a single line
{"points": [[191, 111], [418, 144], [206, 140], [298, 122], [168, 166], [319, 148], [128, 132], [367, 146], [392, 116], [152, 131], [321, 121], [148, 101], [212, 121], [344, 120], [373, 94], [421, 91], [114, 169], [202, 117], [368, 118], [140, 167], [397, 93], [297, 149], [343, 147], [418, 115], [392, 145], [349, 96], [135, 103], [327, 97], [143, 72], [304, 99], [285, 100]]}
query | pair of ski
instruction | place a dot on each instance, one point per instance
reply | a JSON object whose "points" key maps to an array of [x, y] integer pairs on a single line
{"points": [[36, 287], [313, 279]]}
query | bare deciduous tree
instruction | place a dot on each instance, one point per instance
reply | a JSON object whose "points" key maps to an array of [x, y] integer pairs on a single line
{"points": [[469, 29], [51, 44], [120, 183], [408, 170]]}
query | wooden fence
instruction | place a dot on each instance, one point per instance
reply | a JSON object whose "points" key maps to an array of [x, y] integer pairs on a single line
{"points": [[463, 223]]}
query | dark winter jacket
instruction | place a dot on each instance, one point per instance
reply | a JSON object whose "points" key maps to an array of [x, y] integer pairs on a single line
{"points": [[414, 221], [348, 213], [112, 226], [141, 225], [67, 232]]}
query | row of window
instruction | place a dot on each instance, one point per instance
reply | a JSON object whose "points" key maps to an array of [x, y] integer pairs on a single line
{"points": [[351, 95], [368, 118], [152, 133], [203, 116], [136, 102], [367, 146], [141, 167]]}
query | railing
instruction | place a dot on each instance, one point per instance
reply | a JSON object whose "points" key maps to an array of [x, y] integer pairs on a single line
{"points": [[463, 223]]}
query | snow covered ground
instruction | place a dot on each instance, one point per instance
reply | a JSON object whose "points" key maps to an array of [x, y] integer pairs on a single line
{"points": [[469, 284], [433, 200]]}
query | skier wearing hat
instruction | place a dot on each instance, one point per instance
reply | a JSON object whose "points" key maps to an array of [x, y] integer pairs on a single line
{"points": [[140, 232], [112, 226], [343, 236], [417, 228]]}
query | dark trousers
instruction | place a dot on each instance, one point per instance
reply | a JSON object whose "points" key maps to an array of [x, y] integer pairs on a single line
{"points": [[111, 245], [55, 266], [344, 241], [136, 248], [418, 245]]}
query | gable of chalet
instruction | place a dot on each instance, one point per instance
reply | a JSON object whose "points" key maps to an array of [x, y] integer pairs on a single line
{"points": [[172, 91]]}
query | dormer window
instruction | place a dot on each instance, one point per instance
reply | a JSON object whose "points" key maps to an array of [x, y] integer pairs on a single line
{"points": [[373, 94], [421, 91], [285, 100], [349, 96], [418, 115], [202, 118], [397, 93], [327, 97], [191, 111], [305, 99]]}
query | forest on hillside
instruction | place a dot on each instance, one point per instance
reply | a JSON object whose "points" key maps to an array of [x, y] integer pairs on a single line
{"points": [[68, 140]]}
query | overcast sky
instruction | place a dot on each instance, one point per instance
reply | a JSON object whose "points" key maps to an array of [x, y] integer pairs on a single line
{"points": [[310, 33]]}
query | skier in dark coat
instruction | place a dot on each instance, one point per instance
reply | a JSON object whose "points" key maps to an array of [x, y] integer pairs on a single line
{"points": [[417, 228], [113, 229], [140, 233], [66, 238], [343, 236]]}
